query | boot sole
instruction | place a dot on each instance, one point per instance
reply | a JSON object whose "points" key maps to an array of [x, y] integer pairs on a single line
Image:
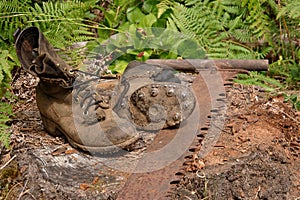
{"points": [[104, 150], [161, 105], [55, 131]]}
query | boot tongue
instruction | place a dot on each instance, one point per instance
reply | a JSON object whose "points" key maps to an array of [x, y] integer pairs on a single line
{"points": [[39, 58], [47, 70]]}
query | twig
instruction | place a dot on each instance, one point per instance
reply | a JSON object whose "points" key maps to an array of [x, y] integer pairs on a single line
{"points": [[11, 189], [286, 114], [22, 192], [187, 197], [8, 162], [200, 175], [27, 192]]}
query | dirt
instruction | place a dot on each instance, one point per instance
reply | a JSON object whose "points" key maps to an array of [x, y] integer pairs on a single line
{"points": [[256, 157]]}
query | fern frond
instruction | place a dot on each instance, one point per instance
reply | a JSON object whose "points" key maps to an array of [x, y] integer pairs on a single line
{"points": [[291, 9], [256, 78], [62, 22], [13, 15], [224, 19]]}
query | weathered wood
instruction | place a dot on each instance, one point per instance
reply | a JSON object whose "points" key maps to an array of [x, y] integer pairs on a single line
{"points": [[203, 64]]}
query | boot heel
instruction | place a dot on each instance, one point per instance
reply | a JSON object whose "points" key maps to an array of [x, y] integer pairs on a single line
{"points": [[50, 127]]}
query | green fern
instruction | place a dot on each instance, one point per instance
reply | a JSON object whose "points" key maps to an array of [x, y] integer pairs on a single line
{"points": [[6, 65], [63, 23], [233, 28], [291, 9], [13, 15], [256, 78], [5, 114], [217, 36]]}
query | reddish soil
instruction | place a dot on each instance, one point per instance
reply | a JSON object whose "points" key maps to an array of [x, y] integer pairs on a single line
{"points": [[257, 155]]}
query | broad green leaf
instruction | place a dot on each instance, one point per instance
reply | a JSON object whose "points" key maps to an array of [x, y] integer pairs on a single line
{"points": [[148, 20], [119, 66], [134, 14], [149, 5]]}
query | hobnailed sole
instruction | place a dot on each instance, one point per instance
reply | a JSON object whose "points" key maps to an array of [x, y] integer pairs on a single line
{"points": [[161, 105]]}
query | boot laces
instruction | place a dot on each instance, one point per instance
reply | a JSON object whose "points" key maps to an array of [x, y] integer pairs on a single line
{"points": [[87, 95]]}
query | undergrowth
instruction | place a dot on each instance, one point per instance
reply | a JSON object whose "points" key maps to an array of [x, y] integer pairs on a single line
{"points": [[141, 31], [259, 79], [7, 61], [247, 29]]}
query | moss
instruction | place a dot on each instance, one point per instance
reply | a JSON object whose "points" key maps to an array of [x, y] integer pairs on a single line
{"points": [[8, 177]]}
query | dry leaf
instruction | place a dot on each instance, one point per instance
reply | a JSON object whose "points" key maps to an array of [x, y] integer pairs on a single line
{"points": [[70, 151], [84, 186]]}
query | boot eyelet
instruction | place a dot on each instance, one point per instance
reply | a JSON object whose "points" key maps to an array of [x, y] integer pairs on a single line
{"points": [[76, 100], [85, 113], [123, 105], [35, 52], [71, 71]]}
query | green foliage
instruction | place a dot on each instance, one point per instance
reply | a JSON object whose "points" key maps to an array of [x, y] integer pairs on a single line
{"points": [[290, 9], [144, 43], [259, 79], [5, 114], [63, 23], [146, 32], [228, 28], [13, 15], [288, 71], [6, 63], [294, 99], [68, 20], [245, 29]]}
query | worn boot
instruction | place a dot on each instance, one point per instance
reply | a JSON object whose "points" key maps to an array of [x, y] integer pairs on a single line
{"points": [[79, 109], [101, 115]]}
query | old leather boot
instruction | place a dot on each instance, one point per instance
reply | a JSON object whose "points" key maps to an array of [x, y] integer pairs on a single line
{"points": [[152, 98], [70, 105], [101, 115]]}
